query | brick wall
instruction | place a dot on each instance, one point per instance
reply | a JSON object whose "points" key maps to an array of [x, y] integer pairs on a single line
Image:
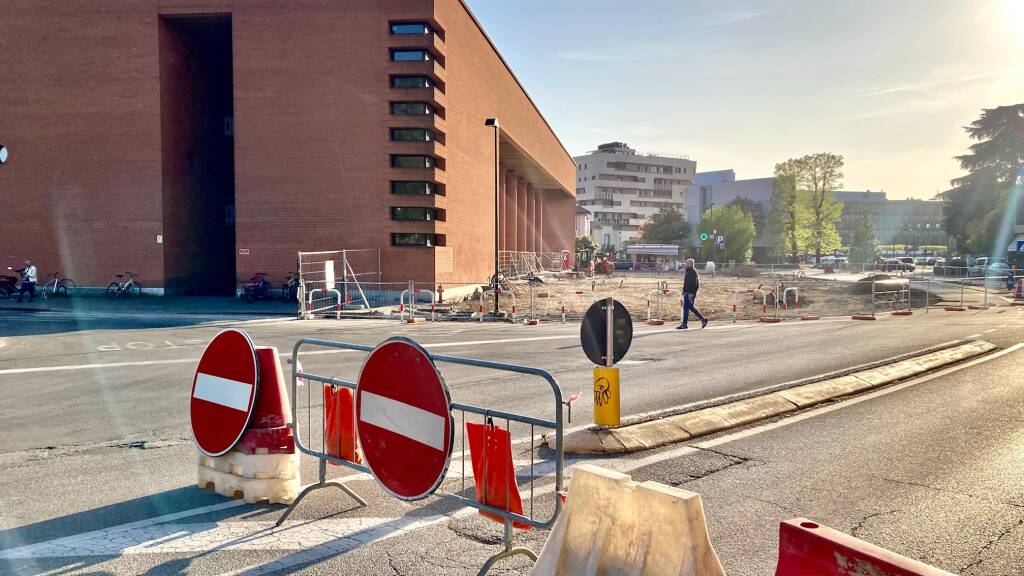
{"points": [[80, 91]]}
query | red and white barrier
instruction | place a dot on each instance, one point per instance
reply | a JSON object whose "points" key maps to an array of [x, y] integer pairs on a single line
{"points": [[807, 548], [412, 293], [659, 294]]}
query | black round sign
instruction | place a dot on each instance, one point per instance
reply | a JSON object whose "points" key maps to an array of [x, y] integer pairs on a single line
{"points": [[594, 332]]}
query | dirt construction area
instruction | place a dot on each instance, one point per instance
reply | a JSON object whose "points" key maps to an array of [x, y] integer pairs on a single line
{"points": [[804, 297]]}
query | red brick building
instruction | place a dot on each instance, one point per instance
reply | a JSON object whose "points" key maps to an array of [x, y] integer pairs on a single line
{"points": [[196, 142]]}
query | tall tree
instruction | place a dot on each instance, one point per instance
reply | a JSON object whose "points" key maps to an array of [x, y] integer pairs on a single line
{"points": [[784, 215], [752, 207], [735, 225], [667, 226], [821, 177], [864, 243], [980, 206]]}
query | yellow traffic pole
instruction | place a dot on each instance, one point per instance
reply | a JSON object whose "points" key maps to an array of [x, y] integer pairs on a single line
{"points": [[606, 396], [606, 378]]}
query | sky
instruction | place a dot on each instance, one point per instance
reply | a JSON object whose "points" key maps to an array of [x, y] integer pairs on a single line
{"points": [[888, 84]]}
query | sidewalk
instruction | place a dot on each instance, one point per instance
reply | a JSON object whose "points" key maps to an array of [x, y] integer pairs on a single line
{"points": [[200, 305]]}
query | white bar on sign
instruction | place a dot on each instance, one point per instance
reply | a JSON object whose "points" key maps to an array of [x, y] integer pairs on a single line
{"points": [[414, 423], [229, 393]]}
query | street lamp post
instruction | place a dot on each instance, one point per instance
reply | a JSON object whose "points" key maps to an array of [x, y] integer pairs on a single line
{"points": [[493, 123]]}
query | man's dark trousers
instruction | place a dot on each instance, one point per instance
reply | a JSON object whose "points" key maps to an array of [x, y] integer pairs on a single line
{"points": [[29, 287], [688, 300]]}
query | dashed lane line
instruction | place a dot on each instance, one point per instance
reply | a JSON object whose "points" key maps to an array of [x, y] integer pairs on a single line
{"points": [[436, 345]]}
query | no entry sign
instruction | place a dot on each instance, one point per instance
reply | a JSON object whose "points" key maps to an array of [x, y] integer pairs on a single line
{"points": [[403, 417], [223, 392]]}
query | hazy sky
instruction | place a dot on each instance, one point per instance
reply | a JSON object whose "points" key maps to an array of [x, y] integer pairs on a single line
{"points": [[888, 83]]}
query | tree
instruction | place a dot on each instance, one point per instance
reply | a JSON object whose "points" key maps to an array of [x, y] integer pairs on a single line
{"points": [[864, 244], [979, 208], [754, 208], [667, 226], [736, 225], [804, 210], [784, 215], [821, 176], [586, 243]]}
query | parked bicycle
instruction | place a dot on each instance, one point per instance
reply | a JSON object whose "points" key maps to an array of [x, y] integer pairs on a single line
{"points": [[57, 286], [122, 288], [290, 288], [257, 288], [8, 285]]}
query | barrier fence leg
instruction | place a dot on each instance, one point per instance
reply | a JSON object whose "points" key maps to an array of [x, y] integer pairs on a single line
{"points": [[927, 293], [321, 483], [507, 552]]}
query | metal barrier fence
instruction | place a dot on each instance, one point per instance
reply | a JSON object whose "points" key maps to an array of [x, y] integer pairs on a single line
{"points": [[343, 270], [306, 439]]}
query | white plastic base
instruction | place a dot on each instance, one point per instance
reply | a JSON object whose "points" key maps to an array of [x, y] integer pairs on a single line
{"points": [[257, 466], [273, 478]]}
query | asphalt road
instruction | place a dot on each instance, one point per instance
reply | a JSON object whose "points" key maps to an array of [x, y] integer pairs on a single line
{"points": [[96, 437]]}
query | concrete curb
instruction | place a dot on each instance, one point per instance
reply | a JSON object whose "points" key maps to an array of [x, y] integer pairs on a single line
{"points": [[681, 427]]}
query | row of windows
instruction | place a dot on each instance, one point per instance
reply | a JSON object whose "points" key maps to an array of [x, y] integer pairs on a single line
{"points": [[411, 81], [413, 187], [410, 28], [417, 213], [417, 239], [414, 161], [412, 135]]}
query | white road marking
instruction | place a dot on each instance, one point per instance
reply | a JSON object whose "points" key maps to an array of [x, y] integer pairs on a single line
{"points": [[991, 330], [574, 335], [403, 419], [308, 541], [972, 336], [229, 393]]}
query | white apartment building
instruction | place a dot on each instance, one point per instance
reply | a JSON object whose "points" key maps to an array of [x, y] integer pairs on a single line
{"points": [[623, 188]]}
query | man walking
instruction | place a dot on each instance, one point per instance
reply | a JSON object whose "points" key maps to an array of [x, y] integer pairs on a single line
{"points": [[691, 283], [28, 281]]}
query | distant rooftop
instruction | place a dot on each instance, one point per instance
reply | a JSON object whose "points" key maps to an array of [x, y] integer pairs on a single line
{"points": [[624, 149]]}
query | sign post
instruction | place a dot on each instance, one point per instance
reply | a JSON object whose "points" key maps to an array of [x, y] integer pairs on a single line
{"points": [[606, 334]]}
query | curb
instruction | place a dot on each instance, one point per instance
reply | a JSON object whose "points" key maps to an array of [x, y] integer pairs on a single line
{"points": [[681, 427]]}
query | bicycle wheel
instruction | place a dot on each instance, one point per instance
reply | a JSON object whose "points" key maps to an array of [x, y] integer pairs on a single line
{"points": [[66, 287], [113, 290], [134, 289]]}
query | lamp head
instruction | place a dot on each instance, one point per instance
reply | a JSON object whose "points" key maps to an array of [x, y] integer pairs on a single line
{"points": [[493, 122]]}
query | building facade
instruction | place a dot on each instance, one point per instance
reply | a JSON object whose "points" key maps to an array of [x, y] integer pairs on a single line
{"points": [[912, 222], [195, 142], [622, 189], [721, 187]]}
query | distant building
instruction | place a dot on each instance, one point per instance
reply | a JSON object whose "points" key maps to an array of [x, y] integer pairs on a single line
{"points": [[623, 188], [583, 217], [721, 187], [911, 221]]}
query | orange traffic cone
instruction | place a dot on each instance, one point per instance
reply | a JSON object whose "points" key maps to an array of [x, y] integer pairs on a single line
{"points": [[268, 431]]}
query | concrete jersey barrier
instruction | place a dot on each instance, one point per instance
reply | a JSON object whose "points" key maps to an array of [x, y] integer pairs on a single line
{"points": [[613, 525]]}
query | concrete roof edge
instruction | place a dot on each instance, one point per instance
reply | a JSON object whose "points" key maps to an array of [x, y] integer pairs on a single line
{"points": [[516, 78]]}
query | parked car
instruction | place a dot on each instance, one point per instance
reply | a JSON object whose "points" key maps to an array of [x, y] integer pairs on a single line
{"points": [[998, 269], [624, 265], [982, 265], [951, 267], [894, 265]]}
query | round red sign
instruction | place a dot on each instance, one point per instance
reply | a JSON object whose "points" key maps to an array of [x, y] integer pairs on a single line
{"points": [[403, 419], [223, 392]]}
